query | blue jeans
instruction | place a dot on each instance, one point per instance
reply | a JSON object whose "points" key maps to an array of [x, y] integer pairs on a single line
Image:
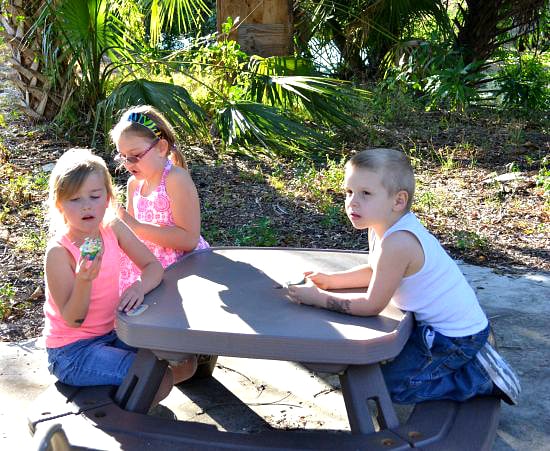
{"points": [[446, 368], [103, 360]]}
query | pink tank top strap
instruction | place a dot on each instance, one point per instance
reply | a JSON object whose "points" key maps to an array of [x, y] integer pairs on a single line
{"points": [[162, 185], [167, 168]]}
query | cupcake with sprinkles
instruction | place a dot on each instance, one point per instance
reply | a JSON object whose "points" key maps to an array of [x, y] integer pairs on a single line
{"points": [[90, 248]]}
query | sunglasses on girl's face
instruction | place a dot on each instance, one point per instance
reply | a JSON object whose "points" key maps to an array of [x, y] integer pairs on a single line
{"points": [[133, 159]]}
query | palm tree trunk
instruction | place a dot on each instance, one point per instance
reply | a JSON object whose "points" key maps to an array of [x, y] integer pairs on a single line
{"points": [[39, 98], [353, 65], [483, 27]]}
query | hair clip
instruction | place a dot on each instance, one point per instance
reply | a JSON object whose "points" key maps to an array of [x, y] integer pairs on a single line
{"points": [[146, 121]]}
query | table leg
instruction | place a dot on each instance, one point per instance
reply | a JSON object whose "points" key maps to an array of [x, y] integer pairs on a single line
{"points": [[141, 384], [359, 385]]}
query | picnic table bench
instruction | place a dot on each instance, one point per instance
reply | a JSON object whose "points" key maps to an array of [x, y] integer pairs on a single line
{"points": [[230, 301]]}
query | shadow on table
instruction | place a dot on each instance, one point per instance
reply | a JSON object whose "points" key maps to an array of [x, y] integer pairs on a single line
{"points": [[253, 297]]}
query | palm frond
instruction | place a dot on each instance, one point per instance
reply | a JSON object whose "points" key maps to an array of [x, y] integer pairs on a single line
{"points": [[248, 123], [328, 100], [174, 101], [187, 13], [364, 26], [96, 28]]}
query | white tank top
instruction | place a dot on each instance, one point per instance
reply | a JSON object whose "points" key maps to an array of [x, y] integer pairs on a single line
{"points": [[438, 294]]}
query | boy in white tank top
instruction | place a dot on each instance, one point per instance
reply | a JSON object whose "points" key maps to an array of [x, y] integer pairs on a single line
{"points": [[447, 355]]}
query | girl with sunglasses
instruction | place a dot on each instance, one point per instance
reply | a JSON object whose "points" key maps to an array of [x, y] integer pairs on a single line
{"points": [[162, 206]]}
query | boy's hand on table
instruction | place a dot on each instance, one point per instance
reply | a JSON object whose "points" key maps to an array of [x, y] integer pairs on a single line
{"points": [[307, 294], [319, 279]]}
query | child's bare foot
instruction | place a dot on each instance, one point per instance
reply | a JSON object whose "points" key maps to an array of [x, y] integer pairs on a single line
{"points": [[184, 370]]}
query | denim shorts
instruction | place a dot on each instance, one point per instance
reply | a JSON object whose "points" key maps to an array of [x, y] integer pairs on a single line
{"points": [[103, 360], [433, 366]]}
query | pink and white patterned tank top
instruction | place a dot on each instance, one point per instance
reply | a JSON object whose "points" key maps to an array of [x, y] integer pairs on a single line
{"points": [[153, 209]]}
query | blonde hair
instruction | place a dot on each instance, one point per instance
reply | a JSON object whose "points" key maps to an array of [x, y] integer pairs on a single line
{"points": [[68, 175], [394, 167], [166, 130]]}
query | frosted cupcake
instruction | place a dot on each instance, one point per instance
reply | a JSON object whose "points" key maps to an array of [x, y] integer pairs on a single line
{"points": [[90, 248]]}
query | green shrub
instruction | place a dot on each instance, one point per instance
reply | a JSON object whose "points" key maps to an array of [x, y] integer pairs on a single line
{"points": [[524, 84], [7, 294], [260, 233], [543, 181], [466, 240], [438, 75]]}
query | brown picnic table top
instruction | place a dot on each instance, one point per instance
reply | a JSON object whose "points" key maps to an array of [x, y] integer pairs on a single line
{"points": [[232, 302]]}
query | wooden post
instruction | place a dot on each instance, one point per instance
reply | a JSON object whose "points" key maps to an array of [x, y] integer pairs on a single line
{"points": [[264, 27]]}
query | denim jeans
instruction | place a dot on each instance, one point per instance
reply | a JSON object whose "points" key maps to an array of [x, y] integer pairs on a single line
{"points": [[103, 360], [446, 368]]}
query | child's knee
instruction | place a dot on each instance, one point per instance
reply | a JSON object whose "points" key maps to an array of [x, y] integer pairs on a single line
{"points": [[184, 370]]}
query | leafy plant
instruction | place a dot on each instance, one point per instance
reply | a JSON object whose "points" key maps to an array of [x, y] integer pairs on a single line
{"points": [[445, 156], [426, 201], [85, 42], [73, 47], [250, 107], [4, 214], [466, 240], [454, 86], [33, 242], [326, 100], [392, 103], [439, 75], [333, 215], [259, 233], [524, 84], [97, 51], [7, 294], [184, 15], [363, 31], [543, 181], [18, 189], [175, 101], [320, 185]]}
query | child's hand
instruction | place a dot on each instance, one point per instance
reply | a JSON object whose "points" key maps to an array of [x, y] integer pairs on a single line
{"points": [[86, 269], [131, 297], [320, 279], [307, 294]]}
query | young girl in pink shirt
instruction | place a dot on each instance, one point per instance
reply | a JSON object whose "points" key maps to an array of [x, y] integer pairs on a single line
{"points": [[162, 204], [82, 295]]}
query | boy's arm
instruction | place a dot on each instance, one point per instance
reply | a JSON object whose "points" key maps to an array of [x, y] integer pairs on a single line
{"points": [[396, 253], [70, 286], [151, 269], [356, 277]]}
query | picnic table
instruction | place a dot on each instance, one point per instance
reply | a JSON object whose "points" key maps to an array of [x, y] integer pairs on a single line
{"points": [[232, 302]]}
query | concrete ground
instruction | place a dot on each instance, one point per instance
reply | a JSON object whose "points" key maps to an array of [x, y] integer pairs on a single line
{"points": [[249, 395]]}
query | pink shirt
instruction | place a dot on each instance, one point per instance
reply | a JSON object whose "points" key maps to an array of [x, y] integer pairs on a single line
{"points": [[156, 209], [104, 297]]}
